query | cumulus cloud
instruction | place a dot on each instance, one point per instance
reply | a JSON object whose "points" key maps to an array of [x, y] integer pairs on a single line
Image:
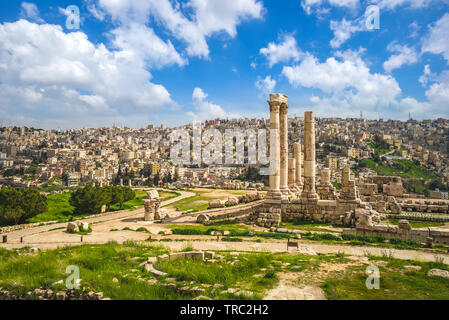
{"points": [[347, 82], [205, 110], [207, 18], [63, 75], [415, 4], [140, 41], [266, 85], [437, 40], [343, 30], [404, 55], [284, 51], [30, 11], [311, 6]]}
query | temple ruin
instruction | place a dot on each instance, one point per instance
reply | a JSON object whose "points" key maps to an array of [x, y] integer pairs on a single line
{"points": [[292, 196]]}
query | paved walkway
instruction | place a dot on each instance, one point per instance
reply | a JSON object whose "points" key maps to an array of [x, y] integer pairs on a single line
{"points": [[15, 235]]}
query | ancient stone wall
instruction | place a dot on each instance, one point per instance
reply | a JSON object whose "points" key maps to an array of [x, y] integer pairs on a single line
{"points": [[403, 231]]}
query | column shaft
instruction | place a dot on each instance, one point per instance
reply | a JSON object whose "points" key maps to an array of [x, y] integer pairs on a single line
{"points": [[309, 190], [284, 148]]}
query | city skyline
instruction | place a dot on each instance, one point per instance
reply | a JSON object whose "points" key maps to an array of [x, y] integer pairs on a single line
{"points": [[166, 62]]}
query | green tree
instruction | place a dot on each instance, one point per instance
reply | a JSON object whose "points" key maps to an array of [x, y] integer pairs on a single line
{"points": [[87, 200]]}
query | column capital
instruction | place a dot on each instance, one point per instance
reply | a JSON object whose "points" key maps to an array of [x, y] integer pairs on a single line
{"points": [[274, 106], [284, 108]]}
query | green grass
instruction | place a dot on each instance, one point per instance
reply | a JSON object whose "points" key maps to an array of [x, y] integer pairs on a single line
{"points": [[402, 168], [239, 274], [98, 264], [379, 149], [168, 195], [307, 226], [418, 224], [189, 203], [235, 229], [396, 283], [59, 208]]}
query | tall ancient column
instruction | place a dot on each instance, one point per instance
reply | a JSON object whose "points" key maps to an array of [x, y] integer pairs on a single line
{"points": [[292, 174], [297, 157], [309, 191], [274, 192], [284, 148]]}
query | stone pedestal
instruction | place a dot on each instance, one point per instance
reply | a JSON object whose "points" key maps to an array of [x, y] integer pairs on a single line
{"points": [[326, 191], [348, 187]]}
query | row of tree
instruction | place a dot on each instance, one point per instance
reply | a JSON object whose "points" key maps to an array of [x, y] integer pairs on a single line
{"points": [[90, 199], [19, 204]]}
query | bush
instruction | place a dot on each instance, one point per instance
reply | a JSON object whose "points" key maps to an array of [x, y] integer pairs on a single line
{"points": [[19, 204]]}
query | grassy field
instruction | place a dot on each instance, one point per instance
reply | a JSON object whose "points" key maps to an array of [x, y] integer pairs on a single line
{"points": [[114, 270], [417, 224], [396, 282], [60, 210], [200, 201], [402, 168]]}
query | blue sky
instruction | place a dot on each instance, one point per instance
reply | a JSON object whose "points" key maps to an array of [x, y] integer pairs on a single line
{"points": [[164, 61]]}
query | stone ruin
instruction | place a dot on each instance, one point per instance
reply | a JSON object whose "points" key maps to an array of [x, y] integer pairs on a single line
{"points": [[293, 194], [368, 223], [152, 206]]}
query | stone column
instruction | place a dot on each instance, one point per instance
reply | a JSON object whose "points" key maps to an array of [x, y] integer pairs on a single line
{"points": [[297, 157], [157, 206], [325, 177], [149, 210], [309, 191], [292, 174], [274, 192], [284, 148]]}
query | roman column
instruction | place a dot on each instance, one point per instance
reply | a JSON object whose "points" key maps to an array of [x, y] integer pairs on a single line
{"points": [[297, 157], [284, 148], [274, 192], [309, 191], [292, 174]]}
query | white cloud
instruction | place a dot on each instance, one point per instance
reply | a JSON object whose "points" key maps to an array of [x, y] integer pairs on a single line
{"points": [[284, 51], [141, 41], [427, 74], [30, 11], [310, 5], [437, 40], [348, 81], [206, 18], [415, 4], [266, 86], [404, 55], [344, 29], [96, 12], [205, 110], [66, 78]]}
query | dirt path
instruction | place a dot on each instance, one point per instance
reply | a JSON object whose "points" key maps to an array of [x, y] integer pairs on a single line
{"points": [[273, 246], [289, 289]]}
